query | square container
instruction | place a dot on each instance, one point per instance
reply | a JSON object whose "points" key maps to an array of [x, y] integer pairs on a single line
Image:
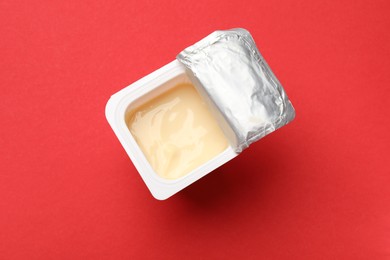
{"points": [[142, 91]]}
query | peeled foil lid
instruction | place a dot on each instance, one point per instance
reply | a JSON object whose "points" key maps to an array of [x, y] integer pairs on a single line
{"points": [[231, 72]]}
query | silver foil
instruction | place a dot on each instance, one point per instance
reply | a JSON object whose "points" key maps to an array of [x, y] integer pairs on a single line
{"points": [[230, 72]]}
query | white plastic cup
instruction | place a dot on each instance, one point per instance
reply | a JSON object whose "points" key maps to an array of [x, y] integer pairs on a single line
{"points": [[139, 93]]}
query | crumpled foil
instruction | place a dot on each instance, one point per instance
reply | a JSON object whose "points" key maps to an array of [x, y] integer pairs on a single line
{"points": [[231, 72]]}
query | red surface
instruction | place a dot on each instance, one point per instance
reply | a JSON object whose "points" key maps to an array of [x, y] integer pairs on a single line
{"points": [[318, 188]]}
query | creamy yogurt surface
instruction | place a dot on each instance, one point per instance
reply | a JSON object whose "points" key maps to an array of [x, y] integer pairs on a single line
{"points": [[176, 131]]}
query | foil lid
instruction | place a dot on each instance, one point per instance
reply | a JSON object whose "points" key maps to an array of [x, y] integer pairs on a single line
{"points": [[228, 69]]}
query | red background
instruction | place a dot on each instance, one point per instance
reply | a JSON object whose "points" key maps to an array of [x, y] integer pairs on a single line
{"points": [[318, 188]]}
